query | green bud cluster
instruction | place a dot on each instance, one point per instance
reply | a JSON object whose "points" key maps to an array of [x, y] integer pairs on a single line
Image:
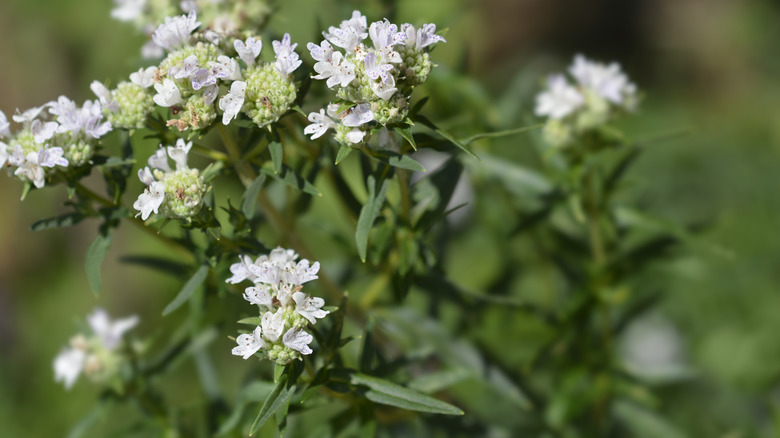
{"points": [[135, 104], [184, 191], [269, 94]]}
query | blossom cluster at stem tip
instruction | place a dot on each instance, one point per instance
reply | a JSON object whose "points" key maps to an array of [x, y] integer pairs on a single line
{"points": [[285, 311]]}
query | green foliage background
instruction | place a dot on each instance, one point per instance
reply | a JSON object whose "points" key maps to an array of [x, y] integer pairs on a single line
{"points": [[707, 66]]}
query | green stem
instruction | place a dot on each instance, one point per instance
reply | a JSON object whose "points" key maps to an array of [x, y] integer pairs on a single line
{"points": [[247, 175]]}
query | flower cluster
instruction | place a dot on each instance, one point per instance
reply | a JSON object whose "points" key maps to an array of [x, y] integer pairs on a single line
{"points": [[172, 193], [225, 17], [96, 354], [285, 311], [373, 83], [599, 92], [56, 134], [199, 66]]}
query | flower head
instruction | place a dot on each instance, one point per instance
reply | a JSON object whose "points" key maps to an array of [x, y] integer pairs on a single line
{"points": [[559, 100], [175, 31]]}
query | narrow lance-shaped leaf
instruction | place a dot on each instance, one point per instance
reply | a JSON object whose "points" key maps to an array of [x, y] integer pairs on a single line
{"points": [[388, 393], [187, 290], [95, 255], [343, 153], [277, 399], [249, 198], [276, 155], [406, 133], [66, 220], [445, 134], [368, 214]]}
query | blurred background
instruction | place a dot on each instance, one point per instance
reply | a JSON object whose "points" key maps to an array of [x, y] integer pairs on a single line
{"points": [[710, 349]]}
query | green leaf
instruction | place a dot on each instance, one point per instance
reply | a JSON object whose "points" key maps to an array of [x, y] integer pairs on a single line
{"points": [[95, 255], [343, 153], [368, 214], [406, 133], [188, 289], [276, 155], [397, 160], [116, 161], [254, 320], [66, 220], [277, 399], [389, 393], [212, 171], [96, 414], [645, 423], [249, 198]]}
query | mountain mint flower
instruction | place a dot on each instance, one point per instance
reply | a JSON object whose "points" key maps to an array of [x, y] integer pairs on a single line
{"points": [[43, 131], [379, 76], [96, 355], [4, 126], [168, 94], [286, 59], [599, 92], [285, 311], [175, 31], [248, 50], [171, 193], [144, 78], [34, 162], [248, 345], [298, 340], [232, 102], [560, 100]]}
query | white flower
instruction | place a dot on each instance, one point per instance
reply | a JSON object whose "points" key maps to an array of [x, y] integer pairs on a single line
{"points": [[376, 70], [144, 77], [249, 344], [5, 125], [34, 162], [241, 271], [331, 65], [355, 136], [104, 95], [150, 200], [320, 123], [420, 38], [559, 100], [280, 256], [188, 67], [68, 365], [29, 115], [93, 128], [273, 325], [301, 273], [286, 59], [298, 340], [309, 307], [385, 35], [232, 102], [350, 34], [43, 131], [159, 160], [168, 94], [283, 293], [128, 10], [16, 157], [608, 81], [248, 50], [358, 115], [179, 153], [175, 31], [110, 332], [259, 296], [266, 273], [145, 175], [210, 94], [3, 154], [226, 68]]}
